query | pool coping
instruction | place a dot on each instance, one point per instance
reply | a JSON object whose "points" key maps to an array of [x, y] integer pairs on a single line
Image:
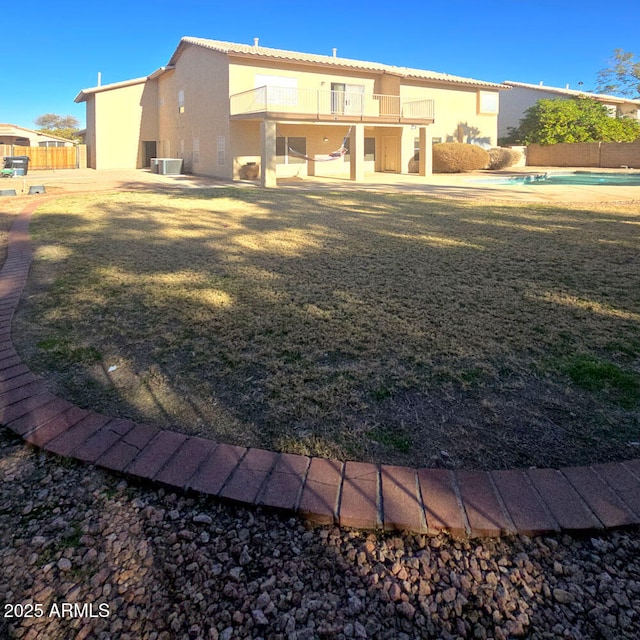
{"points": [[463, 503]]}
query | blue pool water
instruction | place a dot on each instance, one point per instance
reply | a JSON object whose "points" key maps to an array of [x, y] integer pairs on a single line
{"points": [[568, 178]]}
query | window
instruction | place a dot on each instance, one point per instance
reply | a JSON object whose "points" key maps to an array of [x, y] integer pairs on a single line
{"points": [[181, 101], [51, 143], [369, 149], [221, 151], [290, 149], [196, 150], [488, 102]]}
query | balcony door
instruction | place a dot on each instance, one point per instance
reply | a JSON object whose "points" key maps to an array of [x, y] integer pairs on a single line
{"points": [[347, 99]]}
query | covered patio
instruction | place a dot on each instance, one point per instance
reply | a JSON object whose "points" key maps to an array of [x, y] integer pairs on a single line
{"points": [[380, 133]]}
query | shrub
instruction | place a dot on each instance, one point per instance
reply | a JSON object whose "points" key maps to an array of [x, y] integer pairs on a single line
{"points": [[579, 119], [454, 157], [501, 158]]}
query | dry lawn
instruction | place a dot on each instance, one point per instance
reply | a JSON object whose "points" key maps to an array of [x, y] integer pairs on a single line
{"points": [[378, 327]]}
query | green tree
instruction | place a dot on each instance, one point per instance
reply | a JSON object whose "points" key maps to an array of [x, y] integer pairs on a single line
{"points": [[622, 77], [579, 119], [61, 126]]}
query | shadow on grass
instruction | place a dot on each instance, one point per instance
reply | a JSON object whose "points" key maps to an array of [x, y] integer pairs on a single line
{"points": [[391, 328]]}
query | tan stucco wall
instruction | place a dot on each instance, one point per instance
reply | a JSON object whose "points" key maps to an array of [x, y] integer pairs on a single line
{"points": [[201, 76], [82, 156], [454, 108], [149, 103], [90, 136], [243, 76], [118, 116], [245, 143]]}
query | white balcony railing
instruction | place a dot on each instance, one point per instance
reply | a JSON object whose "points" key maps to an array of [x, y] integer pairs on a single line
{"points": [[347, 105]]}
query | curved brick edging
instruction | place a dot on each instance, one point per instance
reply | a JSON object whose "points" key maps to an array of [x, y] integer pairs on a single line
{"points": [[353, 494]]}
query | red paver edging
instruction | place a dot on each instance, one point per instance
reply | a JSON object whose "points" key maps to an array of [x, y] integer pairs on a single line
{"points": [[352, 494]]}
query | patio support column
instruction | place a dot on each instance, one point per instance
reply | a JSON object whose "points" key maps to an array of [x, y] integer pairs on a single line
{"points": [[268, 153], [311, 167], [426, 152], [356, 149]]}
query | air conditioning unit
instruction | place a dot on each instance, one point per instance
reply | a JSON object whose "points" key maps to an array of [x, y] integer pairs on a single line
{"points": [[170, 166]]}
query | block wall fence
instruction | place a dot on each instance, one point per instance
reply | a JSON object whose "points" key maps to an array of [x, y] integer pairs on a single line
{"points": [[609, 155]]}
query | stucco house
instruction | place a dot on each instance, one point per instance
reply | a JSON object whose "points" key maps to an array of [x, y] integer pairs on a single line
{"points": [[221, 106], [11, 134], [522, 96]]}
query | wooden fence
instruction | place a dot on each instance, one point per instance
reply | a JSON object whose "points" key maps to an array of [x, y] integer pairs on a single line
{"points": [[44, 157]]}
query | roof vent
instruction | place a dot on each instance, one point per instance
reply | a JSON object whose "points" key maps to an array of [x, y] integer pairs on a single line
{"points": [[256, 41], [334, 51]]}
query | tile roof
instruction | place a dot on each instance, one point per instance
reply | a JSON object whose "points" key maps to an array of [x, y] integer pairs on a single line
{"points": [[571, 92], [83, 95], [232, 48]]}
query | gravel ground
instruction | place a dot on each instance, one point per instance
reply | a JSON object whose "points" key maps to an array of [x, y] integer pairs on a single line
{"points": [[92, 555]]}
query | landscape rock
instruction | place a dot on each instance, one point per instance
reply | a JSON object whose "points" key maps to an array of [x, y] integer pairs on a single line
{"points": [[94, 538]]}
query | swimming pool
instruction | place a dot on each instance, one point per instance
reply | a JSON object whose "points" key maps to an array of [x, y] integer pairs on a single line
{"points": [[567, 178]]}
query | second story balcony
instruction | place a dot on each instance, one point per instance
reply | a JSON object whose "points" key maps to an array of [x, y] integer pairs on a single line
{"points": [[287, 103]]}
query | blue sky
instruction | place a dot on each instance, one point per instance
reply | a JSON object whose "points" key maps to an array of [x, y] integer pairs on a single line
{"points": [[61, 46]]}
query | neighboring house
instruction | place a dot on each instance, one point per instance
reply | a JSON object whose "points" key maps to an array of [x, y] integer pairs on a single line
{"points": [[522, 96], [11, 134], [219, 106]]}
